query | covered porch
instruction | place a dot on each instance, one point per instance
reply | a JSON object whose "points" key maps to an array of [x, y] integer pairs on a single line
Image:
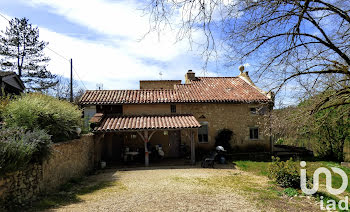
{"points": [[124, 137]]}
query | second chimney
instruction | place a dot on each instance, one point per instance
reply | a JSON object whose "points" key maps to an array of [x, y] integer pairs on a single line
{"points": [[244, 74], [190, 75]]}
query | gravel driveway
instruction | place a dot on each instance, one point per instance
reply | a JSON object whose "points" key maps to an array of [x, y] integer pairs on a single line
{"points": [[160, 189]]}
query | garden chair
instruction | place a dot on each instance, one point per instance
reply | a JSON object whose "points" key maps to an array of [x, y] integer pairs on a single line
{"points": [[209, 161]]}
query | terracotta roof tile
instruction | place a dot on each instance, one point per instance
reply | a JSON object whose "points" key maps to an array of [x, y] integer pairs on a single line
{"points": [[122, 123], [221, 89], [204, 89], [96, 118]]}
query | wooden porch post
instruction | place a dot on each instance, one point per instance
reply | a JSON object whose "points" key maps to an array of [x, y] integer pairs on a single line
{"points": [[146, 139], [193, 153], [146, 149]]}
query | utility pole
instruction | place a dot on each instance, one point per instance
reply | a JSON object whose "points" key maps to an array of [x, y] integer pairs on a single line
{"points": [[71, 80]]}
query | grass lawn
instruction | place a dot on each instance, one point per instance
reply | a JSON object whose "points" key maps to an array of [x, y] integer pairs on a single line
{"points": [[261, 168]]}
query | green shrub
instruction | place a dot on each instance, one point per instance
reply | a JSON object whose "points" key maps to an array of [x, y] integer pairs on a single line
{"points": [[19, 148], [4, 101], [14, 154], [284, 173], [42, 142], [280, 141], [36, 111], [290, 192]]}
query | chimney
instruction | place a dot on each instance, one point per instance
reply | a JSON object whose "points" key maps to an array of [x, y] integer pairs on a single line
{"points": [[190, 75], [244, 75]]}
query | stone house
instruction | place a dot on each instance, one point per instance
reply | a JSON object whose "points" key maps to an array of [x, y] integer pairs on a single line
{"points": [[171, 114]]}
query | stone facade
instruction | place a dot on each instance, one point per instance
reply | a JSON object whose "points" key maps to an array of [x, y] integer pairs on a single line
{"points": [[236, 117], [69, 159], [158, 84], [217, 116]]}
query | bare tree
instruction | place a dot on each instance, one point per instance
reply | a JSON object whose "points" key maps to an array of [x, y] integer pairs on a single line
{"points": [[304, 42], [62, 90]]}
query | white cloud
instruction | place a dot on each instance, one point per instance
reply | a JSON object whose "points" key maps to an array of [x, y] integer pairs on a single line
{"points": [[113, 18], [97, 62], [123, 22], [120, 59]]}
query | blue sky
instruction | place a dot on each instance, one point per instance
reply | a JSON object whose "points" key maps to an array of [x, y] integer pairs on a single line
{"points": [[103, 38]]}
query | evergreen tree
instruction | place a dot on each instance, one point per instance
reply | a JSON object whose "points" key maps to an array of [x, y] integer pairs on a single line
{"points": [[22, 51]]}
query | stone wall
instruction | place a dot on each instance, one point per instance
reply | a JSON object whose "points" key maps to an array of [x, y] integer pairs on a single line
{"points": [[69, 159], [21, 186], [236, 117]]}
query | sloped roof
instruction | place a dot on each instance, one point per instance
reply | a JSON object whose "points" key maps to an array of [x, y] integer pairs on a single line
{"points": [[221, 89], [149, 122], [6, 73], [96, 118], [203, 89], [129, 96], [12, 79]]}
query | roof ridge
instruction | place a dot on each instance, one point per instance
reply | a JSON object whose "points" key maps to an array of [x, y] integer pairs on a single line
{"points": [[134, 90], [254, 86], [218, 77], [7, 73], [147, 115], [157, 80]]}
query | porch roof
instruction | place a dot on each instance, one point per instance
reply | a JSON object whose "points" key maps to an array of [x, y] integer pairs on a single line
{"points": [[146, 122]]}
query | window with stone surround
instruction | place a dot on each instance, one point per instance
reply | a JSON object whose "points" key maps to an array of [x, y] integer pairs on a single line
{"points": [[203, 133], [254, 133]]}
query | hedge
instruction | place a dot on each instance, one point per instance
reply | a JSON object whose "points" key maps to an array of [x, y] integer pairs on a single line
{"points": [[58, 118]]}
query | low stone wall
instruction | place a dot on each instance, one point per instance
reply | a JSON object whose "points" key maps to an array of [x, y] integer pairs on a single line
{"points": [[21, 186], [69, 159]]}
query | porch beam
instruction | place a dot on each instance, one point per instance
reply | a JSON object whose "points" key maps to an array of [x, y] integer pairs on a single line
{"points": [[140, 134], [150, 136]]}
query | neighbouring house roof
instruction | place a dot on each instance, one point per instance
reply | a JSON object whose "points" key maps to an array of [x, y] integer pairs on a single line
{"points": [[203, 89], [11, 82], [6, 73], [146, 122]]}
